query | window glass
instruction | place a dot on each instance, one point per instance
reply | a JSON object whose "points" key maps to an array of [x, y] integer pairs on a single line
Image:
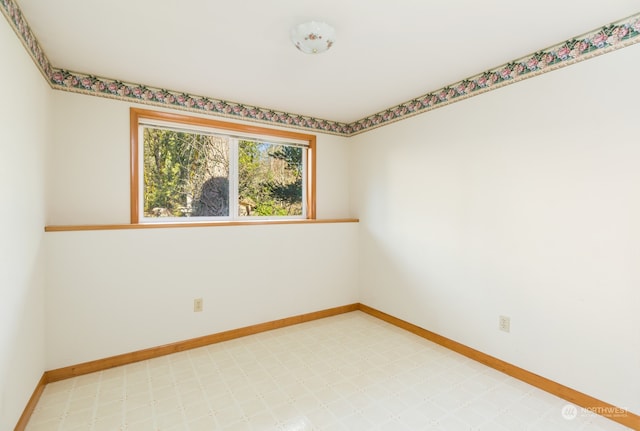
{"points": [[185, 174], [198, 169], [270, 179]]}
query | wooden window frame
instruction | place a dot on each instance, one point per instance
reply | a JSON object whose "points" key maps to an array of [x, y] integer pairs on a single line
{"points": [[137, 114]]}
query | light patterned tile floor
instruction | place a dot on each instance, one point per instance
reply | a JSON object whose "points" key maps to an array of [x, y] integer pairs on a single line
{"points": [[348, 372]]}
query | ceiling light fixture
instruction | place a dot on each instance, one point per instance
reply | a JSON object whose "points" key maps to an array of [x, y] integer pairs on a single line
{"points": [[313, 37]]}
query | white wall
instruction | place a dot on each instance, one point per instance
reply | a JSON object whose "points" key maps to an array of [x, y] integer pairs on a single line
{"points": [[522, 202], [24, 126], [112, 292]]}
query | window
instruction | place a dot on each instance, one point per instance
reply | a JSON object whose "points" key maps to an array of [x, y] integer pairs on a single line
{"points": [[193, 169]]}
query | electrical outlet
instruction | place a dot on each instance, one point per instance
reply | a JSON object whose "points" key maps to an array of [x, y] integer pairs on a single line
{"points": [[197, 305], [504, 323]]}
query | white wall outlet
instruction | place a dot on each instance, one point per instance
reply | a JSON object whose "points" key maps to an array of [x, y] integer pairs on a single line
{"points": [[504, 323], [197, 305]]}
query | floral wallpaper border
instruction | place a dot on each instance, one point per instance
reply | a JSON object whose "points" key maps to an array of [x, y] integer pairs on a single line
{"points": [[15, 17], [81, 83], [600, 41], [614, 36]]}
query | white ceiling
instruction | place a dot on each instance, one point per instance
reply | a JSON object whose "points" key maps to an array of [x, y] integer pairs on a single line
{"points": [[386, 52]]}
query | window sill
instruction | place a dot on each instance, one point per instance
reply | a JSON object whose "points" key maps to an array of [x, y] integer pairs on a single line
{"points": [[71, 228]]}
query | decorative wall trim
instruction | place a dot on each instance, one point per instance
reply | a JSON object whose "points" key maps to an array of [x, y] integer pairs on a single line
{"points": [[597, 42], [154, 96], [585, 401], [611, 37], [14, 15]]}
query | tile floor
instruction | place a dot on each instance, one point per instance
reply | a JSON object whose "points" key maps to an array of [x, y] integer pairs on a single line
{"points": [[348, 372]]}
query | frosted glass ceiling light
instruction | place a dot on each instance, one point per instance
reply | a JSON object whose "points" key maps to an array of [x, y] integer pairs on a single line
{"points": [[313, 37]]}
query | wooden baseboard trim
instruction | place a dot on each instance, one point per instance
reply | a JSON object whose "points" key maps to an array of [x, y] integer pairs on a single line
{"points": [[154, 352], [585, 401], [31, 405]]}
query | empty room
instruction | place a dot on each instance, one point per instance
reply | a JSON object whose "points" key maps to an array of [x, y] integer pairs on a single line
{"points": [[339, 215]]}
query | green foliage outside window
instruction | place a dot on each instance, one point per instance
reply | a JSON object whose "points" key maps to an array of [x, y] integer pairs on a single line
{"points": [[187, 175], [269, 179]]}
